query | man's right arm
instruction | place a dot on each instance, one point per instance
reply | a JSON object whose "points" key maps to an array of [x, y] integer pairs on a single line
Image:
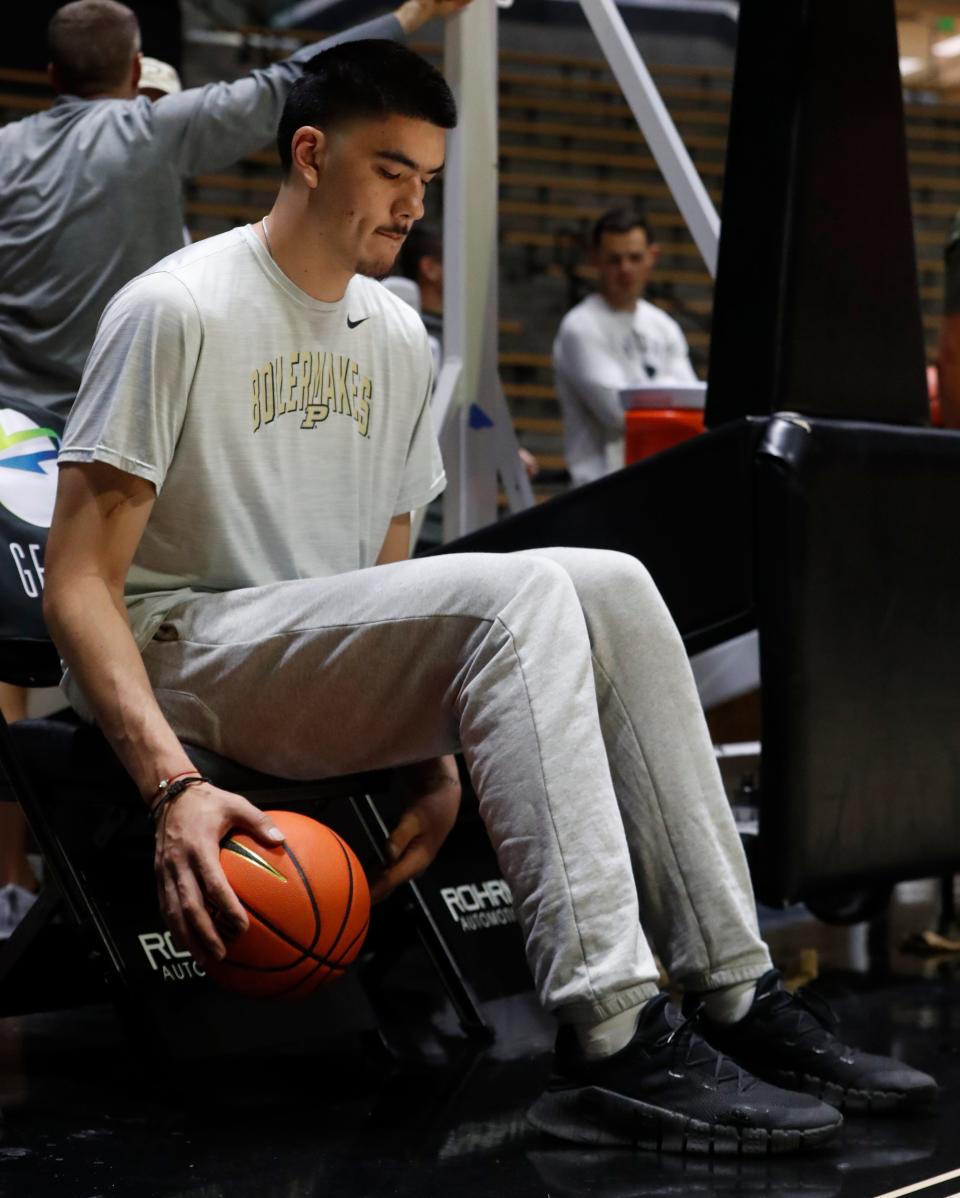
{"points": [[100, 516], [98, 520], [594, 374], [208, 128]]}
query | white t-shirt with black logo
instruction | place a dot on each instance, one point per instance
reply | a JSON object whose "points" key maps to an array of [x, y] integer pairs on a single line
{"points": [[282, 433]]}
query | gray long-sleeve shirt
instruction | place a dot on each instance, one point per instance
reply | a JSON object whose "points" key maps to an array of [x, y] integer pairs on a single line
{"points": [[91, 195]]}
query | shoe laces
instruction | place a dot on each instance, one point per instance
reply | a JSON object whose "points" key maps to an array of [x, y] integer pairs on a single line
{"points": [[693, 1052], [810, 1014]]}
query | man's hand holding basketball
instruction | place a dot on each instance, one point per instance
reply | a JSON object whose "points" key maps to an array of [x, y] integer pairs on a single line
{"points": [[190, 880], [424, 826]]}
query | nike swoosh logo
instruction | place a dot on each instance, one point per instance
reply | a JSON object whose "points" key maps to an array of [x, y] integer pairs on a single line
{"points": [[241, 850], [352, 324]]}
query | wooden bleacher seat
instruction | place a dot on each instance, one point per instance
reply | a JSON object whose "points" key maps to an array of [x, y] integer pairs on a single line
{"points": [[601, 159], [609, 87], [539, 424], [23, 105], [24, 78], [520, 358], [604, 110], [601, 133], [548, 240]]}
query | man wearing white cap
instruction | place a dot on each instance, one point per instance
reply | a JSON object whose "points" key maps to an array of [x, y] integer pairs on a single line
{"points": [[158, 79]]}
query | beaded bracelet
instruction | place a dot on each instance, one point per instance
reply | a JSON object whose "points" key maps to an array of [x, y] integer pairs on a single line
{"points": [[165, 782], [170, 788]]}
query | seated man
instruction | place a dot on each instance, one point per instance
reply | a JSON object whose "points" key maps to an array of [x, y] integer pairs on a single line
{"points": [[610, 340], [227, 565], [93, 195]]}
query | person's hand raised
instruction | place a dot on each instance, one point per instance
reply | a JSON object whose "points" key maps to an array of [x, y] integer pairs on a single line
{"points": [[415, 13]]}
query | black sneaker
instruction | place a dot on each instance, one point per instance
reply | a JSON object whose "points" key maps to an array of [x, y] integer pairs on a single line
{"points": [[788, 1040], [668, 1090]]}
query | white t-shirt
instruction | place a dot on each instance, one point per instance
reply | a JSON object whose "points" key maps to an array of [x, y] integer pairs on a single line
{"points": [[282, 434], [598, 352]]}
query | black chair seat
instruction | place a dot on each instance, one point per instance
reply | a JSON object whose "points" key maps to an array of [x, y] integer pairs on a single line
{"points": [[63, 750]]}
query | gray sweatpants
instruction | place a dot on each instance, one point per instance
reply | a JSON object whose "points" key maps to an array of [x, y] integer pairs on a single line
{"points": [[563, 679]]}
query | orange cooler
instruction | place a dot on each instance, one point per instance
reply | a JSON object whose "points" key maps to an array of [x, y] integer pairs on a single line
{"points": [[650, 430], [660, 415]]}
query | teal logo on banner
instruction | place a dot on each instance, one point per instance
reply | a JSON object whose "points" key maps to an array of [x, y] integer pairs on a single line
{"points": [[28, 468]]}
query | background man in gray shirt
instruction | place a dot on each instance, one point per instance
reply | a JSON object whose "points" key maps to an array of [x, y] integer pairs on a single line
{"points": [[92, 188]]}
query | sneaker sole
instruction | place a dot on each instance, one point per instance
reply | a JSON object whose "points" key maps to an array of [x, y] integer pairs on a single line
{"points": [[589, 1115], [858, 1102]]}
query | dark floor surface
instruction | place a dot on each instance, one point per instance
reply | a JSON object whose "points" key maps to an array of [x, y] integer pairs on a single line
{"points": [[85, 1114]]}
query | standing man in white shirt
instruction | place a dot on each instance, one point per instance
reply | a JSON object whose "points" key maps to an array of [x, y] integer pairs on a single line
{"points": [[611, 340]]}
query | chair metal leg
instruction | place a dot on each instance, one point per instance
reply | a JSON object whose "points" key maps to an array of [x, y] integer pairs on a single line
{"points": [[454, 983], [947, 920]]}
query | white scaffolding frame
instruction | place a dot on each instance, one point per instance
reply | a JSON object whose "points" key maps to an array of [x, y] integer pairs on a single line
{"points": [[471, 414], [657, 126], [470, 411]]}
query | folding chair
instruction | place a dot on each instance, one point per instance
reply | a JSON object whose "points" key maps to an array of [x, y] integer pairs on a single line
{"points": [[96, 933]]}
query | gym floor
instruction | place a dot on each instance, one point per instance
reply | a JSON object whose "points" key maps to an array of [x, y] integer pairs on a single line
{"points": [[85, 1116]]}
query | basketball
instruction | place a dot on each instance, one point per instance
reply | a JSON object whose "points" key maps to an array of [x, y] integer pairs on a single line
{"points": [[309, 908]]}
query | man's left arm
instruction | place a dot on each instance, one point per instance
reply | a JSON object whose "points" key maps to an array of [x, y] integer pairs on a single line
{"points": [[434, 785]]}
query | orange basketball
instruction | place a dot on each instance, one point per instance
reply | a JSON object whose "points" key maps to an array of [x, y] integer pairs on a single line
{"points": [[308, 904]]}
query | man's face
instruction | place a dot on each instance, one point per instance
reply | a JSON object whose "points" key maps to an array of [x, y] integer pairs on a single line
{"points": [[624, 262], [372, 187]]}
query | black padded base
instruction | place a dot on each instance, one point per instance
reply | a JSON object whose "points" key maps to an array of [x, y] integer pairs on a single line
{"points": [[65, 750]]}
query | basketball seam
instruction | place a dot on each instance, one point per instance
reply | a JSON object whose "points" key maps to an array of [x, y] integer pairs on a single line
{"points": [[309, 889], [305, 953], [339, 968], [349, 904]]}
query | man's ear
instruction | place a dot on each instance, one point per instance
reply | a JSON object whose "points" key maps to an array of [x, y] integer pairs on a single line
{"points": [[55, 84], [308, 152], [136, 70], [653, 254]]}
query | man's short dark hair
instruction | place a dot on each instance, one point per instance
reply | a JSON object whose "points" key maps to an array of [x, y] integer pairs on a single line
{"points": [[91, 45], [366, 80], [423, 241], [621, 220]]}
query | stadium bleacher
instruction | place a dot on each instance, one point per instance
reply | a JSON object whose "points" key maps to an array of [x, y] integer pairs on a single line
{"points": [[570, 148]]}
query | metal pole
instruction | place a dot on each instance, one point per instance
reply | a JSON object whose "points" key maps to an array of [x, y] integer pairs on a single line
{"points": [[470, 270], [657, 126]]}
